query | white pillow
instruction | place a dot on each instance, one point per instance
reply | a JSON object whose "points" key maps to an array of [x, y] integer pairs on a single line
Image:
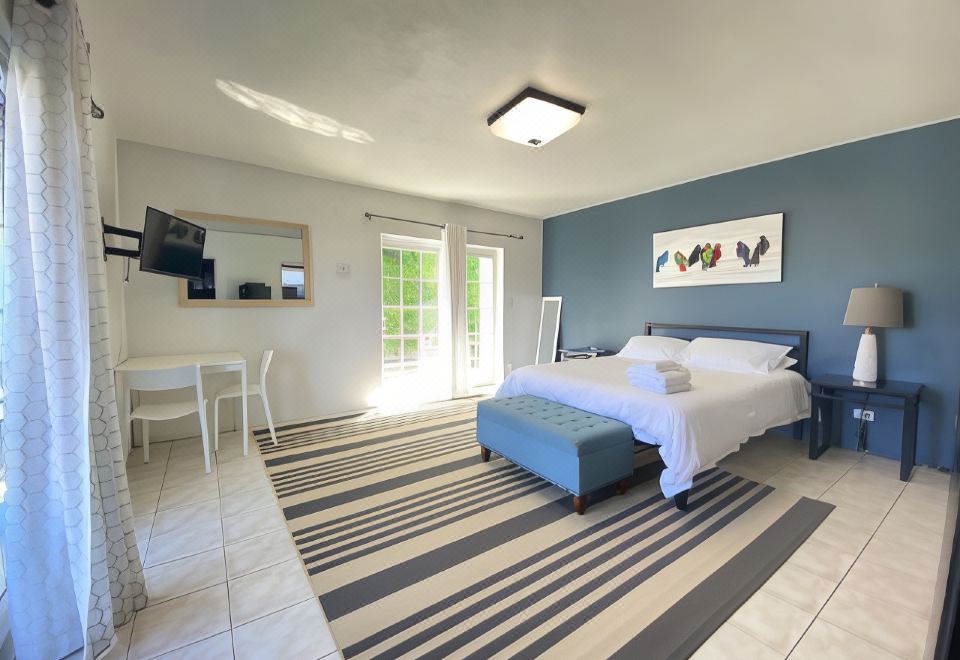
{"points": [[650, 347], [735, 355], [785, 363]]}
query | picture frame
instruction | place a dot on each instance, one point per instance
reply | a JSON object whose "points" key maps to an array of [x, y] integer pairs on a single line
{"points": [[742, 251]]}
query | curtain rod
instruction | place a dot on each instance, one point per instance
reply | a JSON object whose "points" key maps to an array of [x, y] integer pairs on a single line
{"points": [[371, 216]]}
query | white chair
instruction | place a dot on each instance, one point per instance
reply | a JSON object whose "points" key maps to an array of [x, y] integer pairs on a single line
{"points": [[235, 392], [170, 379]]}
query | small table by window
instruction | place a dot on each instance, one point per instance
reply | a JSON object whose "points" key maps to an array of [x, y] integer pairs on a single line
{"points": [[829, 389], [209, 363], [583, 353]]}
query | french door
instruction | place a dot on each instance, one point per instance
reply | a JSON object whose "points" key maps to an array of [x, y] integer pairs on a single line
{"points": [[410, 322]]}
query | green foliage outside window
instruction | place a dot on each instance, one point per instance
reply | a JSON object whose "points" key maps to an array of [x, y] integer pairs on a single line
{"points": [[391, 292], [391, 263], [411, 264]]}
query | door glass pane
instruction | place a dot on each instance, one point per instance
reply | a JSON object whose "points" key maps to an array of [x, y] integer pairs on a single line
{"points": [[481, 318], [391, 322], [411, 321], [411, 265], [411, 293], [391, 263], [429, 266], [410, 341], [429, 292], [391, 291], [430, 321]]}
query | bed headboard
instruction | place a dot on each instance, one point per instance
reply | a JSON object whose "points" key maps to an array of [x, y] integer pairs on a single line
{"points": [[798, 339]]}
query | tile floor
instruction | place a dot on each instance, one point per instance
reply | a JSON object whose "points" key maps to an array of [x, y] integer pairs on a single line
{"points": [[224, 579], [862, 586]]}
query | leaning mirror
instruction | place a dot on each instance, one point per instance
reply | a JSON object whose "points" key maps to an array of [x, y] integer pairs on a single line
{"points": [[248, 262], [549, 329]]}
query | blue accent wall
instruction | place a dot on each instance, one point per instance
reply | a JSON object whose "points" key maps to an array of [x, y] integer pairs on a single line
{"points": [[881, 210]]}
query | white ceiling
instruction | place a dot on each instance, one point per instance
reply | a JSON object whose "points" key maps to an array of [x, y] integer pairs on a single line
{"points": [[394, 94]]}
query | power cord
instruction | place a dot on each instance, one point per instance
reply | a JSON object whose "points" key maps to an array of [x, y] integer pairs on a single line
{"points": [[862, 427]]}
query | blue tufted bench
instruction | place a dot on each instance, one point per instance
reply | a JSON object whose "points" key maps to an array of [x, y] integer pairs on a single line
{"points": [[576, 450]]}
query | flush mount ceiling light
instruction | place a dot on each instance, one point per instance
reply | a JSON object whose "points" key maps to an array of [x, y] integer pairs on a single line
{"points": [[534, 118]]}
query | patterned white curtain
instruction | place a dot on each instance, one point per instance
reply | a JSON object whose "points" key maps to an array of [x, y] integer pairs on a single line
{"points": [[453, 289], [73, 570]]}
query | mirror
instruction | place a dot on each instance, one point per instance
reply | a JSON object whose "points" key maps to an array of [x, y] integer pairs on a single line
{"points": [[549, 329], [249, 262]]}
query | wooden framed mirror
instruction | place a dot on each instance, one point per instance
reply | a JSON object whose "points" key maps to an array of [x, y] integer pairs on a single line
{"points": [[249, 262]]}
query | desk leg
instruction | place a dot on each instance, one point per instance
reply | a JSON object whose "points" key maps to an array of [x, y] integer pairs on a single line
{"points": [[243, 407], [126, 433], [908, 443]]}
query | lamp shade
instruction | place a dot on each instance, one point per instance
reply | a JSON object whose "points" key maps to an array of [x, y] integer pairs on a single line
{"points": [[875, 307]]}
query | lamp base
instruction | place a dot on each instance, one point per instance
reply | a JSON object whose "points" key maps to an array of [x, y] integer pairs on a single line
{"points": [[865, 366]]}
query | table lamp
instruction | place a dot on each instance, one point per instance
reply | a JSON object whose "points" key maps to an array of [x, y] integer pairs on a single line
{"points": [[872, 307]]}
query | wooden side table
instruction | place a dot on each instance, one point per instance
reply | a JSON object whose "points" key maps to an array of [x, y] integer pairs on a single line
{"points": [[829, 389]]}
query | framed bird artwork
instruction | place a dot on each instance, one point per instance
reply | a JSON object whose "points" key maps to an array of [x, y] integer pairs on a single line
{"points": [[744, 251]]}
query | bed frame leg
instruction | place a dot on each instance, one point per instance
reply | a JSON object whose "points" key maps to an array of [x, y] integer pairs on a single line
{"points": [[622, 487], [579, 504], [681, 500], [484, 454], [798, 430]]}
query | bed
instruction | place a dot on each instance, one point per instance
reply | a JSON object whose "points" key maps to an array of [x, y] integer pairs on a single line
{"points": [[694, 429]]}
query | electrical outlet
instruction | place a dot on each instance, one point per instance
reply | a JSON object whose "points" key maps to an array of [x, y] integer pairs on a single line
{"points": [[866, 414]]}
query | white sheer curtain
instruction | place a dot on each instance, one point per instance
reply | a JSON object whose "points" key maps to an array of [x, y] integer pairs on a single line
{"points": [[73, 570], [453, 310]]}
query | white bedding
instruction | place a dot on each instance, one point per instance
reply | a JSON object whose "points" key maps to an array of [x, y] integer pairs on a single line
{"points": [[694, 429]]}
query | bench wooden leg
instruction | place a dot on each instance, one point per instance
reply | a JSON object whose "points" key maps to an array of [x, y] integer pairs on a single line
{"points": [[484, 454], [580, 504], [680, 499], [622, 486]]}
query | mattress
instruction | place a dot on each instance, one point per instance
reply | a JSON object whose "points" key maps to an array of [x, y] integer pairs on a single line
{"points": [[693, 429]]}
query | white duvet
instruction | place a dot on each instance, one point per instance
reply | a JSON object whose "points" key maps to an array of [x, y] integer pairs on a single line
{"points": [[694, 429]]}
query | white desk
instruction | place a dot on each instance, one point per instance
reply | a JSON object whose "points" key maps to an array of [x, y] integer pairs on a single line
{"points": [[209, 363]]}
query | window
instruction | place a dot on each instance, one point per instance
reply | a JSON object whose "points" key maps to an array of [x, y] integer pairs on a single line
{"points": [[292, 281], [482, 315], [409, 297]]}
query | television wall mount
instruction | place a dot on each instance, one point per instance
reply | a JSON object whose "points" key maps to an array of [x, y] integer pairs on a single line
{"points": [[120, 231]]}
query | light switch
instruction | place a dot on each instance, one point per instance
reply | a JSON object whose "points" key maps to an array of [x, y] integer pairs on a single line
{"points": [[343, 269]]}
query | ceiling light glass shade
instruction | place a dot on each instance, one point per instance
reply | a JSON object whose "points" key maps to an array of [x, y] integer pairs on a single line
{"points": [[534, 118]]}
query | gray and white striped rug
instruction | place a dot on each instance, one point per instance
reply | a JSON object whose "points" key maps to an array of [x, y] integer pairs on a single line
{"points": [[416, 548]]}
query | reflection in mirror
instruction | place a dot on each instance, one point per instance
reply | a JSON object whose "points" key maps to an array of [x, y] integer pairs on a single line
{"points": [[291, 281], [249, 263], [549, 330]]}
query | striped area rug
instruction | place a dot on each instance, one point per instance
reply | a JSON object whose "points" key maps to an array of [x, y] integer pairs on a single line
{"points": [[416, 548]]}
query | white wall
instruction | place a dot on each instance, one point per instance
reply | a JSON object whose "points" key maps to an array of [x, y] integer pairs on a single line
{"points": [[328, 355], [241, 258], [105, 160]]}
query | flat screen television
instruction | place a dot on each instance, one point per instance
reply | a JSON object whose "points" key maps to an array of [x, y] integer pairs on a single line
{"points": [[171, 246]]}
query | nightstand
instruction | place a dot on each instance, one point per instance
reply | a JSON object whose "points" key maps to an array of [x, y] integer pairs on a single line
{"points": [[583, 353], [829, 389]]}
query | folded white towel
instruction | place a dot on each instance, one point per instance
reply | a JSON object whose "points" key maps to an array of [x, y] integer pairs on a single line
{"points": [[666, 389], [653, 366], [661, 378]]}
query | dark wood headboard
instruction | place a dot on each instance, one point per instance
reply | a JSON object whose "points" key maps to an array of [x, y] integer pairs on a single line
{"points": [[798, 339]]}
